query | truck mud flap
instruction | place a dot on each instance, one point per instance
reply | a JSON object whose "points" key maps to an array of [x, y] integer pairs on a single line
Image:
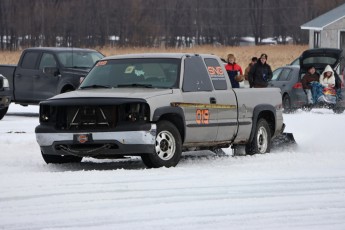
{"points": [[284, 141]]}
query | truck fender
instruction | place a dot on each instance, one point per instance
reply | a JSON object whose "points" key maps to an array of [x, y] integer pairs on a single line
{"points": [[258, 113], [173, 114]]}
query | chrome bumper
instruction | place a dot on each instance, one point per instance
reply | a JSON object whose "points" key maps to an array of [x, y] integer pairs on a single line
{"points": [[124, 137]]}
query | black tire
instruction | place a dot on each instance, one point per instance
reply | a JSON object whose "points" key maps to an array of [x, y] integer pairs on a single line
{"points": [[338, 110], [261, 142], [56, 159], [3, 112], [287, 104], [168, 147]]}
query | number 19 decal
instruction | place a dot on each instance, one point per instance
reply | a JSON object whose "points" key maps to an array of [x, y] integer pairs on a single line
{"points": [[202, 116]]}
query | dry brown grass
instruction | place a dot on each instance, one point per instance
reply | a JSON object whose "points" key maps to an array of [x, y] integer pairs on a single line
{"points": [[278, 55]]}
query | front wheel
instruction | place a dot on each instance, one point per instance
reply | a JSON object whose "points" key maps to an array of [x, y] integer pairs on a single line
{"points": [[3, 112], [168, 147], [56, 159], [261, 142]]}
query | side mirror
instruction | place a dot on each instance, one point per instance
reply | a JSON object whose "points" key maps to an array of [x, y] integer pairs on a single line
{"points": [[51, 71]]}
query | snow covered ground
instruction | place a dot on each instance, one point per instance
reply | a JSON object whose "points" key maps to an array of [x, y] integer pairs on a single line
{"points": [[301, 188]]}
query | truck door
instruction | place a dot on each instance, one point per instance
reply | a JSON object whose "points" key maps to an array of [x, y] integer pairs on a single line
{"points": [[199, 100], [45, 83], [24, 75], [226, 100]]}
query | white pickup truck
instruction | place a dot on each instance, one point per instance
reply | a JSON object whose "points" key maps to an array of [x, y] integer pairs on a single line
{"points": [[156, 106]]}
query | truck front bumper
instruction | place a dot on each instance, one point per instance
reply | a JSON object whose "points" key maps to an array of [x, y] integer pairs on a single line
{"points": [[97, 144]]}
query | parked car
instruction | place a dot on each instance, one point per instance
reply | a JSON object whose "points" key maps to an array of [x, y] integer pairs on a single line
{"points": [[288, 79]]}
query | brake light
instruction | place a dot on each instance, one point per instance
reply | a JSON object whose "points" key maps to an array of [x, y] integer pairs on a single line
{"points": [[298, 85]]}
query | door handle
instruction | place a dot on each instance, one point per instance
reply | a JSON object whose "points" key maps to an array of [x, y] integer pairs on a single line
{"points": [[213, 100]]}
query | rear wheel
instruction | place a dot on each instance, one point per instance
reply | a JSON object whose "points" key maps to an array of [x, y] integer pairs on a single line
{"points": [[261, 142], [3, 112], [56, 159], [168, 147], [338, 110], [287, 104]]}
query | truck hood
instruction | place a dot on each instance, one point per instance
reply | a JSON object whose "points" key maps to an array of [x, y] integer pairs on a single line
{"points": [[143, 93], [320, 58]]}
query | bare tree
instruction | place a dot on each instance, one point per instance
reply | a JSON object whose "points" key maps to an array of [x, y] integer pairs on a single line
{"points": [[90, 23]]}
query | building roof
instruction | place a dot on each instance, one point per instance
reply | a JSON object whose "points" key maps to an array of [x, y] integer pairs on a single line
{"points": [[325, 19]]}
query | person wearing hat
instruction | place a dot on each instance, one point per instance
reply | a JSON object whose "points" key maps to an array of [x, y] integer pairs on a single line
{"points": [[308, 78], [260, 73], [234, 71]]}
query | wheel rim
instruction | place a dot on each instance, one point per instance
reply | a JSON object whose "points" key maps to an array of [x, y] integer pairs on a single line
{"points": [[262, 140], [165, 145]]}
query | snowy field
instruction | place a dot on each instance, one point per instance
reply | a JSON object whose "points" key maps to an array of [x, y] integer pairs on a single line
{"points": [[300, 188]]}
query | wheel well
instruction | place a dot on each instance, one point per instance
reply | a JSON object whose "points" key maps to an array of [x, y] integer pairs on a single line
{"points": [[67, 88], [176, 120], [269, 117]]}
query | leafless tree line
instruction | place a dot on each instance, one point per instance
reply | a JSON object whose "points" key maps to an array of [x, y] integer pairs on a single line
{"points": [[98, 23]]}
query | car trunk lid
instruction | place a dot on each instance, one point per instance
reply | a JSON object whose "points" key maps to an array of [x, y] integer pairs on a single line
{"points": [[320, 58]]}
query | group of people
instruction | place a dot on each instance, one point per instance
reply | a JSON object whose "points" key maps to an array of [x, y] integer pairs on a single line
{"points": [[257, 73], [320, 88]]}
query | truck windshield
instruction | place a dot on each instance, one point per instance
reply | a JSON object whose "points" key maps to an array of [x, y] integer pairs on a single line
{"points": [[134, 73], [79, 59]]}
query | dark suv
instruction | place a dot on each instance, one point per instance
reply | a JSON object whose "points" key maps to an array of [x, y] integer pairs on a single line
{"points": [[288, 79]]}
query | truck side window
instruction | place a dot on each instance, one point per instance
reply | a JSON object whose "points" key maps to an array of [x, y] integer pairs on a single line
{"points": [[47, 60], [29, 60], [216, 74], [195, 75]]}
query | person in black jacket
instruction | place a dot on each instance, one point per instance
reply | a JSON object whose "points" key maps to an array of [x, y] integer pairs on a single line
{"points": [[260, 73]]}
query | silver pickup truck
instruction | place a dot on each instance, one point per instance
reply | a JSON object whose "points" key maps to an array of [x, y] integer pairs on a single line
{"points": [[156, 106]]}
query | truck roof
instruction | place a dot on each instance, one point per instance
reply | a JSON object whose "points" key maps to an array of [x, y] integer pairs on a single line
{"points": [[156, 55]]}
